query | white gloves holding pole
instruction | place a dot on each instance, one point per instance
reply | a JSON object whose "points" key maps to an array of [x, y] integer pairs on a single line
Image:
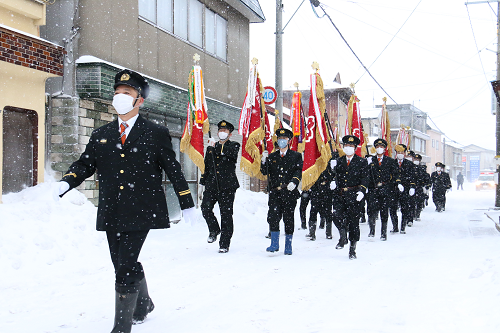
{"points": [[265, 154], [59, 189]]}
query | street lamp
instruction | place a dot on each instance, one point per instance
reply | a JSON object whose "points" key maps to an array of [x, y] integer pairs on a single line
{"points": [[496, 89]]}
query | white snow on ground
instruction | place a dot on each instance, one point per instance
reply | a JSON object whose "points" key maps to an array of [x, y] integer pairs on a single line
{"points": [[442, 276]]}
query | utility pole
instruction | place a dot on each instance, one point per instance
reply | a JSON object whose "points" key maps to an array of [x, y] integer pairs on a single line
{"points": [[497, 195], [279, 58]]}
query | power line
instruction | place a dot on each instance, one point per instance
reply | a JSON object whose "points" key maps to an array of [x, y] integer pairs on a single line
{"points": [[475, 42], [391, 39], [350, 48]]}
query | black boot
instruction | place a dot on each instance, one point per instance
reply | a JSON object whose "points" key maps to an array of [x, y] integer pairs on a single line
{"points": [[342, 239], [303, 225], [312, 231], [403, 226], [328, 230], [352, 250], [322, 223], [144, 304], [383, 231], [363, 219], [125, 303], [371, 224]]}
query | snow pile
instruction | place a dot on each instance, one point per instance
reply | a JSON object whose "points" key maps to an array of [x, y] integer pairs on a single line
{"points": [[442, 276]]}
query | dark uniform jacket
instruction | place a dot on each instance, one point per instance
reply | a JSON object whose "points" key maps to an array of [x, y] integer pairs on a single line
{"points": [[440, 182], [282, 171], [131, 196], [352, 177], [406, 174], [321, 189], [384, 174], [423, 178], [226, 155]]}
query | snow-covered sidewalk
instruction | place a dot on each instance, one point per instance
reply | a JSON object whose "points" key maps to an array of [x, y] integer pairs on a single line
{"points": [[442, 276]]}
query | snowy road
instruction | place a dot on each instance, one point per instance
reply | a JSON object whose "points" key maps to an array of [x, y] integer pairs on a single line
{"points": [[442, 276]]}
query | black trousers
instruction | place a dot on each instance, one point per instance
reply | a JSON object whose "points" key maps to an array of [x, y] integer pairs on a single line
{"points": [[124, 248], [322, 204], [439, 198], [378, 200], [281, 206], [347, 213], [304, 201], [225, 198]]}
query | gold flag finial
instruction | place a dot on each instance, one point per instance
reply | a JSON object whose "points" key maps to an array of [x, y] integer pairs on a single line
{"points": [[196, 58], [255, 61], [352, 85], [296, 85], [315, 66], [384, 99], [402, 126]]}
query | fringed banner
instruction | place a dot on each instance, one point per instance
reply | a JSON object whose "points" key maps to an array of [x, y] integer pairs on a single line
{"points": [[196, 120], [385, 125], [316, 153]]}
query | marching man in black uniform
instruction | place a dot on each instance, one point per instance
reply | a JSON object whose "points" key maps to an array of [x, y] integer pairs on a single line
{"points": [[321, 202], [440, 184], [285, 172], [382, 173], [220, 184], [405, 188], [423, 184], [352, 183], [129, 156]]}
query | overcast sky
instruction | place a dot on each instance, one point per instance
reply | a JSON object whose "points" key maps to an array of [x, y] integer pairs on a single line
{"points": [[432, 61]]}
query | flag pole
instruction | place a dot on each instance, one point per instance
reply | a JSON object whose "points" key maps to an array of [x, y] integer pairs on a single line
{"points": [[196, 59]]}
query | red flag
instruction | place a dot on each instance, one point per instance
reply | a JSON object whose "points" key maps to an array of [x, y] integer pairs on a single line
{"points": [[297, 123], [196, 121], [316, 153], [269, 136], [354, 125], [251, 126]]}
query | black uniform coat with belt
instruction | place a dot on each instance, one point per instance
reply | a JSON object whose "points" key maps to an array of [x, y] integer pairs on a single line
{"points": [[440, 182], [226, 155], [131, 196], [383, 174], [282, 171], [406, 174], [353, 176]]}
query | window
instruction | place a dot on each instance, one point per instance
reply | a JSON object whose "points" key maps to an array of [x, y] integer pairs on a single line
{"points": [[437, 145], [433, 143], [184, 18]]}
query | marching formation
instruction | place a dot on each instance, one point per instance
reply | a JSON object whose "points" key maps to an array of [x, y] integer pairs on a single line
{"points": [[131, 154]]}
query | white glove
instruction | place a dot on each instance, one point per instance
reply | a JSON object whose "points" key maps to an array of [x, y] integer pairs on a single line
{"points": [[58, 189], [211, 142], [333, 185], [401, 188], [412, 192], [264, 156], [360, 196], [189, 215], [369, 159], [333, 164], [291, 186]]}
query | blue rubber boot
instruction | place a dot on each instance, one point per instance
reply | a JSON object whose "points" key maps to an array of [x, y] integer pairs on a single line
{"points": [[275, 242], [288, 244]]}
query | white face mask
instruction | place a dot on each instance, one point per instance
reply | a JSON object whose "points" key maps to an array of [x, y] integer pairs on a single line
{"points": [[400, 156], [438, 169], [380, 150], [349, 151], [123, 104], [222, 135], [416, 162]]}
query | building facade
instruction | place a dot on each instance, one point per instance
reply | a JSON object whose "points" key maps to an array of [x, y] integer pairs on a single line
{"points": [[159, 40], [26, 62], [476, 159]]}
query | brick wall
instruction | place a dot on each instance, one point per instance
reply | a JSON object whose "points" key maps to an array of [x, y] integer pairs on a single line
{"points": [[19, 49]]}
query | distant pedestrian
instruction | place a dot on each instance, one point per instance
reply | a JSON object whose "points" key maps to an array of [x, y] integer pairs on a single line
{"points": [[460, 181]]}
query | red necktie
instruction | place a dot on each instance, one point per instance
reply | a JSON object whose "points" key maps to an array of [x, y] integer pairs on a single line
{"points": [[123, 126], [348, 162], [379, 161]]}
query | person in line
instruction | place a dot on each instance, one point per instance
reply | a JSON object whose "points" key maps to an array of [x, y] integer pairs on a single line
{"points": [[220, 184], [382, 173], [129, 156], [441, 182], [423, 184], [285, 173], [350, 186]]}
